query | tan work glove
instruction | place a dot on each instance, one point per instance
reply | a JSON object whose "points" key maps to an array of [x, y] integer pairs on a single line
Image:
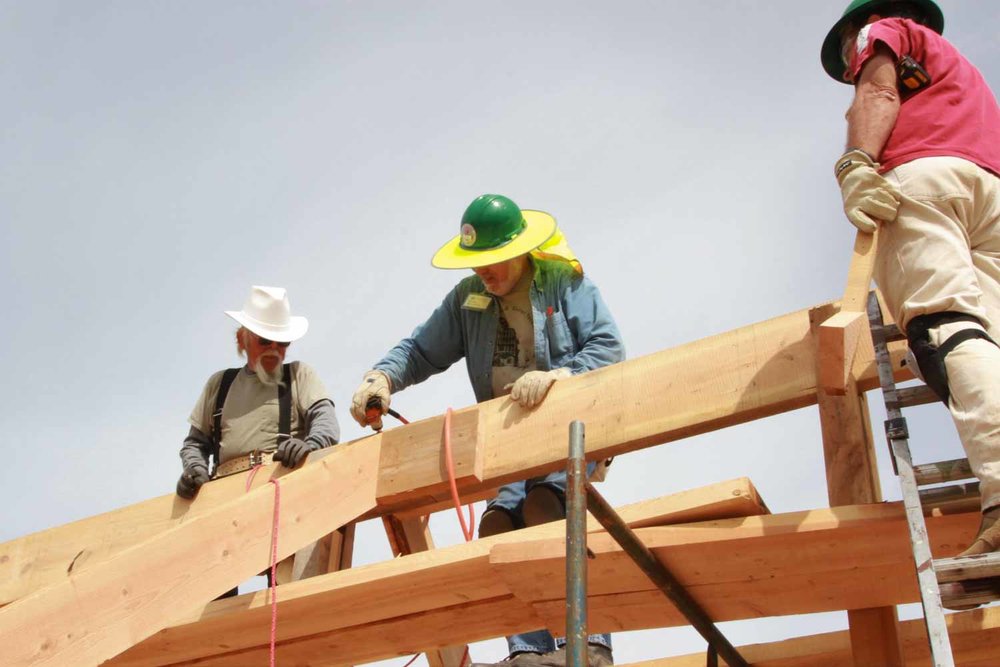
{"points": [[868, 197], [374, 387], [529, 389]]}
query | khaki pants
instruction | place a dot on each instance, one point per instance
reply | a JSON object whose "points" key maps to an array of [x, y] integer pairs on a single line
{"points": [[942, 253]]}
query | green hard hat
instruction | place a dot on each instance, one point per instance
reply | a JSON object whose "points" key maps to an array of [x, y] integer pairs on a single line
{"points": [[494, 229], [830, 53], [490, 221]]}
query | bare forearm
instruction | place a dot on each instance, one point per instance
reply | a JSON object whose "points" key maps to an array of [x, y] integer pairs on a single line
{"points": [[870, 120], [875, 107]]}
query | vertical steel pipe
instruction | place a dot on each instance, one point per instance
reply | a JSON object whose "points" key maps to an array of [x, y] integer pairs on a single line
{"points": [[661, 576], [576, 549]]}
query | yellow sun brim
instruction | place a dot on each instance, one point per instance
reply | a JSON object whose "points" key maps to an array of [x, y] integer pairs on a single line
{"points": [[539, 226]]}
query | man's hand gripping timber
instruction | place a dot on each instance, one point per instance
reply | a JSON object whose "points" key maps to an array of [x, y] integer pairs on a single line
{"points": [[529, 389], [374, 387], [868, 197]]}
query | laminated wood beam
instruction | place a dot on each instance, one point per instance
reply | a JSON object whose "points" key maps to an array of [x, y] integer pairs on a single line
{"points": [[852, 478], [445, 588], [975, 642], [841, 333], [848, 557], [110, 606], [731, 378], [407, 536], [854, 557]]}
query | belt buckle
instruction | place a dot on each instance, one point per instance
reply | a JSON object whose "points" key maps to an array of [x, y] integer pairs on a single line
{"points": [[256, 458]]}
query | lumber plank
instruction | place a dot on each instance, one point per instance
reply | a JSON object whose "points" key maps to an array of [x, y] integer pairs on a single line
{"points": [[409, 587], [727, 379], [49, 556], [838, 342], [846, 557], [854, 557], [417, 452], [975, 642], [105, 609], [852, 478], [840, 334], [407, 536]]}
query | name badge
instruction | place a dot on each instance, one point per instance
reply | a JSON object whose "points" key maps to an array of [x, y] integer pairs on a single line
{"points": [[478, 302]]}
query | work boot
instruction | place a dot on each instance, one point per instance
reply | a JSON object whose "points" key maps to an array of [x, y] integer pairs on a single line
{"points": [[597, 656], [542, 505], [988, 538], [987, 541], [495, 521], [529, 659]]}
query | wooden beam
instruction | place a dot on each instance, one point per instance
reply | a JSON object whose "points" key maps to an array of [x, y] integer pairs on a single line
{"points": [[840, 334], [975, 642], [852, 478], [408, 536], [731, 378], [847, 557], [445, 588], [110, 606], [838, 342], [855, 557]]}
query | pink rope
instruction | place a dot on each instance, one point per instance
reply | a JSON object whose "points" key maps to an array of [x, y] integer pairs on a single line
{"points": [[274, 567], [468, 529], [253, 473], [274, 557]]}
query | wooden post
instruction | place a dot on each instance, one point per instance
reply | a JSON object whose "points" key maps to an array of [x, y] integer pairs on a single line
{"points": [[839, 334], [407, 536], [852, 478]]}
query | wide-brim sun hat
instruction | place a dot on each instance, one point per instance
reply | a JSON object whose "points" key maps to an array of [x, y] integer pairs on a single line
{"points": [[830, 52], [268, 314], [494, 229]]}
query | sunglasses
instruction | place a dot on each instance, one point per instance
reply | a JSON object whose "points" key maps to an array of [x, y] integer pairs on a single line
{"points": [[264, 342]]}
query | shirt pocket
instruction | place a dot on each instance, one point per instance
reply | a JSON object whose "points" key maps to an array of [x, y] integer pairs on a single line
{"points": [[561, 345]]}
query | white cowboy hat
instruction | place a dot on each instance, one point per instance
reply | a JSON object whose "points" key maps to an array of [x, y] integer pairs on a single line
{"points": [[267, 314]]}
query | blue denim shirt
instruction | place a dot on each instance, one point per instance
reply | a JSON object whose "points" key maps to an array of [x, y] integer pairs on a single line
{"points": [[573, 329]]}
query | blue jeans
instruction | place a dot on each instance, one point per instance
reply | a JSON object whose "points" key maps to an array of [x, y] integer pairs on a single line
{"points": [[510, 498]]}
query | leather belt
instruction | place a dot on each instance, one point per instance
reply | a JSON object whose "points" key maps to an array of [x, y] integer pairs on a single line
{"points": [[242, 463]]}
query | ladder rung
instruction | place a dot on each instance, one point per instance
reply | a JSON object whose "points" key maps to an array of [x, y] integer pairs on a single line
{"points": [[907, 397], [949, 498], [969, 593], [942, 471], [982, 566]]}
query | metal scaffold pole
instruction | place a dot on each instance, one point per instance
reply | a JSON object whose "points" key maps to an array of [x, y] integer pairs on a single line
{"points": [[576, 550]]}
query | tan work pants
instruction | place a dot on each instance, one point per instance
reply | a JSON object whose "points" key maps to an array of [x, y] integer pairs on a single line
{"points": [[942, 253]]}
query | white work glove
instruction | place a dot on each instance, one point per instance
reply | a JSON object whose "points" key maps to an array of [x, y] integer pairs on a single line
{"points": [[374, 387], [868, 197], [529, 389]]}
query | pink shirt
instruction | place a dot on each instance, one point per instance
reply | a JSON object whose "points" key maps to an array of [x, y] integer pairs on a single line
{"points": [[956, 115]]}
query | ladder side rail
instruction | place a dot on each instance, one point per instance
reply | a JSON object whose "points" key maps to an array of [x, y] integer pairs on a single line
{"points": [[897, 435]]}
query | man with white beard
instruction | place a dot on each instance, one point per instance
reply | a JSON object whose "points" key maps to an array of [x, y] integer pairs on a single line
{"points": [[267, 410]]}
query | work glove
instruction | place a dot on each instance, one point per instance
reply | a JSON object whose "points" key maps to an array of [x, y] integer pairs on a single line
{"points": [[529, 389], [868, 197], [291, 452], [191, 480], [374, 391]]}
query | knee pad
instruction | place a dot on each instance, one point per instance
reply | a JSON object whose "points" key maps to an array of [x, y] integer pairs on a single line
{"points": [[930, 357]]}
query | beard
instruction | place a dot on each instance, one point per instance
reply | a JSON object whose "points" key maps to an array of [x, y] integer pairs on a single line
{"points": [[270, 379]]}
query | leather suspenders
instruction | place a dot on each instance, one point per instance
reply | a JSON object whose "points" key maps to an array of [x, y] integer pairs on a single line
{"points": [[284, 409]]}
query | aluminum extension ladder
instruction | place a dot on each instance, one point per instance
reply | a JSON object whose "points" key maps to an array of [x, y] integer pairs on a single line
{"points": [[952, 581]]}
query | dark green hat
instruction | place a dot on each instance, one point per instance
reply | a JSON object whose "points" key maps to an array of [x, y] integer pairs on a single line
{"points": [[830, 53], [494, 229]]}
